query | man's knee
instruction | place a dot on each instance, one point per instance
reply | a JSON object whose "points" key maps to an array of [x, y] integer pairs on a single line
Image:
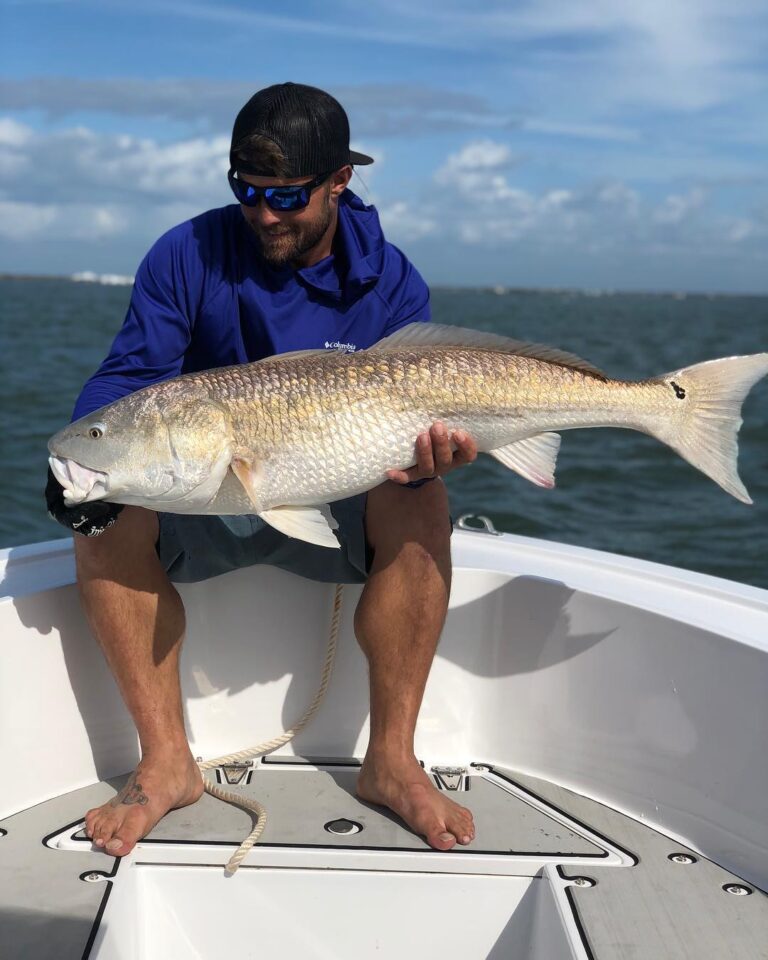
{"points": [[129, 540], [404, 515]]}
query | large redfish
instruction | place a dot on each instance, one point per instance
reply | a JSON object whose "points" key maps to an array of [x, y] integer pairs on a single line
{"points": [[285, 436]]}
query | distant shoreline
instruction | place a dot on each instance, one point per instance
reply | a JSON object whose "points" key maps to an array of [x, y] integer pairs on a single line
{"points": [[499, 289]]}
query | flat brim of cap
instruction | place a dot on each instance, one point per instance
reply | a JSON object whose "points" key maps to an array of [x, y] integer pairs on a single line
{"points": [[359, 159]]}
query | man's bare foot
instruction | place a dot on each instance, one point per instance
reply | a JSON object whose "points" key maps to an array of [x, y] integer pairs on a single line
{"points": [[159, 784], [406, 789]]}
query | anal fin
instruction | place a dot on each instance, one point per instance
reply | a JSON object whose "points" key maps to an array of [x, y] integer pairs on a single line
{"points": [[312, 524], [534, 458]]}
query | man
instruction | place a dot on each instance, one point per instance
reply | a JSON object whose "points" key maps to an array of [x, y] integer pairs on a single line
{"points": [[301, 263]]}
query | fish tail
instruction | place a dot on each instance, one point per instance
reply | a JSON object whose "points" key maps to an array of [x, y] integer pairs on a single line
{"points": [[704, 432]]}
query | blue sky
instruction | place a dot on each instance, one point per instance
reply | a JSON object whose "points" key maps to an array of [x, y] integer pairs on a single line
{"points": [[602, 144]]}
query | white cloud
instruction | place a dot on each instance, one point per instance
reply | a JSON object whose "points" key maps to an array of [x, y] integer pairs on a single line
{"points": [[740, 230], [32, 221], [481, 155], [584, 131], [474, 174], [618, 197], [104, 185], [195, 167], [127, 190], [24, 221], [601, 218], [488, 208], [13, 133], [598, 55], [14, 137], [401, 223], [352, 28], [82, 159], [677, 207]]}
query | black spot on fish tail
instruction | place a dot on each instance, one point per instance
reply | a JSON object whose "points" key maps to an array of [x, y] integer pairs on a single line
{"points": [[679, 392]]}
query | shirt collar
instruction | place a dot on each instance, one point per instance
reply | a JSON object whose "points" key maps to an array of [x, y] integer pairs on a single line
{"points": [[357, 260]]}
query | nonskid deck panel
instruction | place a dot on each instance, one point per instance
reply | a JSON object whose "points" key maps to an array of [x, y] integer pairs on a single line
{"points": [[643, 905], [302, 802], [662, 908]]}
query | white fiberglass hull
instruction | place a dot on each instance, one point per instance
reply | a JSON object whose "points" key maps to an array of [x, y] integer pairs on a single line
{"points": [[638, 685]]}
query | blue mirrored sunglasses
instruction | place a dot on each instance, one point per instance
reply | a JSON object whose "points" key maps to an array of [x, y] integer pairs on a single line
{"points": [[281, 199]]}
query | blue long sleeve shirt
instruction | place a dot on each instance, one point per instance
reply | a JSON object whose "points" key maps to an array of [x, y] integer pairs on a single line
{"points": [[204, 297]]}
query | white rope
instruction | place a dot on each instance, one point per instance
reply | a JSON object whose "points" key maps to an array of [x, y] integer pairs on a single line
{"points": [[270, 745]]}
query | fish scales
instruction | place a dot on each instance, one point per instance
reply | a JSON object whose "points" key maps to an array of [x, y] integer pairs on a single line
{"points": [[310, 428], [349, 417]]}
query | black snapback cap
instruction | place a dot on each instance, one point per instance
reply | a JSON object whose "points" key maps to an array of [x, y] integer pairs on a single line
{"points": [[308, 125]]}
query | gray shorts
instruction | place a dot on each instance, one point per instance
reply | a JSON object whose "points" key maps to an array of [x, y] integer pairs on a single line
{"points": [[193, 548]]}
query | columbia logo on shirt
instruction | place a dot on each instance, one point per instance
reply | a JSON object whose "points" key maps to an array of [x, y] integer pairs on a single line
{"points": [[341, 347]]}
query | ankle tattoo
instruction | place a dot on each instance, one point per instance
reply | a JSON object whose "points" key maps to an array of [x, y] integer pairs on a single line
{"points": [[131, 793]]}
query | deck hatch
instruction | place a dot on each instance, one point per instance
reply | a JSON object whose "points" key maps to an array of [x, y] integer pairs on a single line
{"points": [[301, 801]]}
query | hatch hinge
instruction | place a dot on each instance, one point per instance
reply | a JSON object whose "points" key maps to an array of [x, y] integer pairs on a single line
{"points": [[451, 778], [235, 772]]}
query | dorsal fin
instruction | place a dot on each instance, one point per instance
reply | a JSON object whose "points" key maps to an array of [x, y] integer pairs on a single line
{"points": [[298, 353], [432, 334]]}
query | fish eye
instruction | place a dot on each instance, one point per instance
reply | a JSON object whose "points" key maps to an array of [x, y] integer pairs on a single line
{"points": [[96, 431]]}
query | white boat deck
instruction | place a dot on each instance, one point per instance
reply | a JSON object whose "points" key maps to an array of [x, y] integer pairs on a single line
{"points": [[624, 897]]}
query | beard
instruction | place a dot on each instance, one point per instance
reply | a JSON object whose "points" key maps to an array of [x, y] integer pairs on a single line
{"points": [[289, 242]]}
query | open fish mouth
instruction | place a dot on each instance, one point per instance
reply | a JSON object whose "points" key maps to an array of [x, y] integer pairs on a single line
{"points": [[80, 483]]}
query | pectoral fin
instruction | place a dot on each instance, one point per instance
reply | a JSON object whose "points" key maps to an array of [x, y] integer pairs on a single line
{"points": [[313, 524], [246, 472], [534, 458]]}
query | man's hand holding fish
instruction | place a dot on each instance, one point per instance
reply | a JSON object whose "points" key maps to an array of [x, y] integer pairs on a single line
{"points": [[437, 454]]}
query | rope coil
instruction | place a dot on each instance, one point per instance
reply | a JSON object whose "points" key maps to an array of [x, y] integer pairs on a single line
{"points": [[268, 746]]}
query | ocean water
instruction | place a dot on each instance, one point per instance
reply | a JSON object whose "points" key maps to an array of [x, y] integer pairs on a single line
{"points": [[617, 490]]}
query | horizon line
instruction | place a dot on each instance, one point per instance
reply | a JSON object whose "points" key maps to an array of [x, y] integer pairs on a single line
{"points": [[499, 289]]}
